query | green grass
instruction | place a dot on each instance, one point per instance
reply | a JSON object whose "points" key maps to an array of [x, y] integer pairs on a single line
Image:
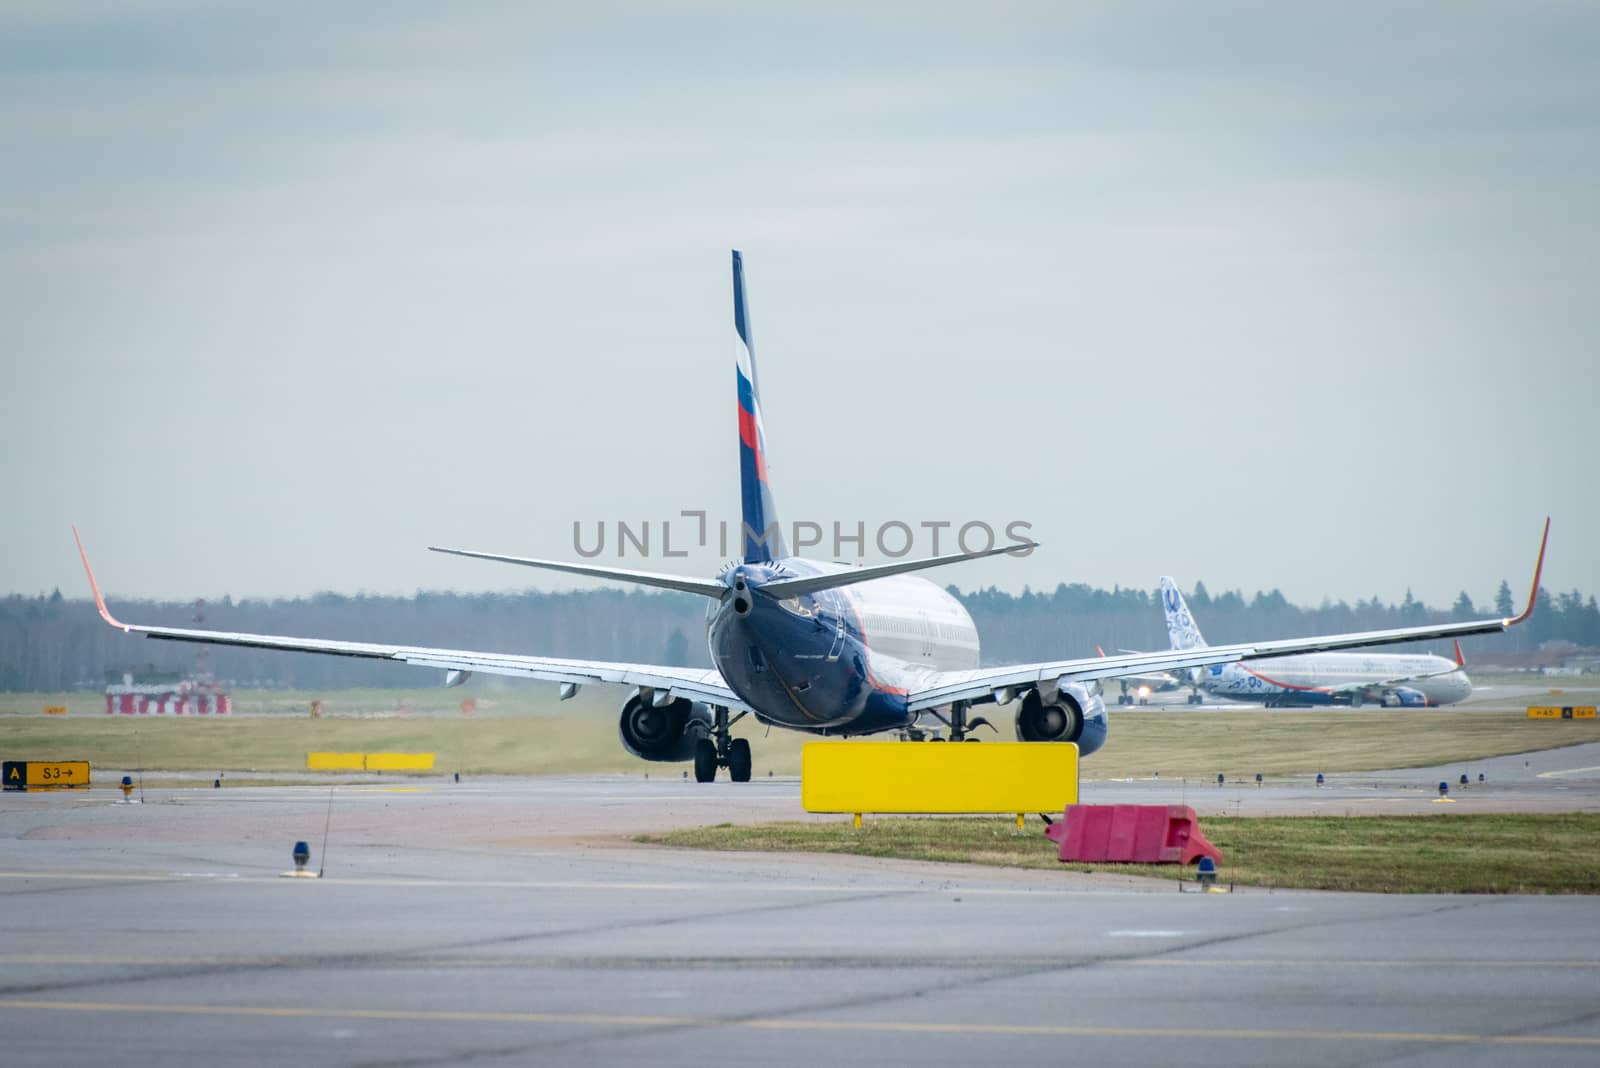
{"points": [[1474, 854], [525, 731]]}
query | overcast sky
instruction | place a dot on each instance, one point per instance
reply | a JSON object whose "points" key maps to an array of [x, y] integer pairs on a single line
{"points": [[1257, 294]]}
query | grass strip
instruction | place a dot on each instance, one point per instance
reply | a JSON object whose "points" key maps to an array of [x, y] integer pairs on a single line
{"points": [[526, 731], [1443, 854]]}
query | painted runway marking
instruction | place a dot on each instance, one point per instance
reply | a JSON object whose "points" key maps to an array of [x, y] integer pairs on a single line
{"points": [[536, 884], [1565, 771], [404, 960], [1144, 934], [854, 1026]]}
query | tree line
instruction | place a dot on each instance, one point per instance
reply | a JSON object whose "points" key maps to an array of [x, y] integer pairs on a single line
{"points": [[51, 643]]}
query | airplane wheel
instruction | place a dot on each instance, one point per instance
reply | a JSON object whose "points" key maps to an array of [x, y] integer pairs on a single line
{"points": [[705, 760], [972, 739], [739, 760]]}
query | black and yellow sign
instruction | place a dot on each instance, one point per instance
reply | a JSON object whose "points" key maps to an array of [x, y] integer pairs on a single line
{"points": [[1561, 712], [44, 774]]}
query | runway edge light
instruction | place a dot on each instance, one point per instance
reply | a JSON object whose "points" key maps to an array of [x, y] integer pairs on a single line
{"points": [[302, 856]]}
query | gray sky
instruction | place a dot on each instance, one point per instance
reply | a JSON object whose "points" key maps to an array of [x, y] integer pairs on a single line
{"points": [[1259, 294]]}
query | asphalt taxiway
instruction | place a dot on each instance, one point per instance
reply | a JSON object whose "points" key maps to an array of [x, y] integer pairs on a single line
{"points": [[511, 921]]}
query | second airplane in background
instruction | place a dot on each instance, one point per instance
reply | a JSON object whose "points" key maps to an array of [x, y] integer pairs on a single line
{"points": [[1406, 679]]}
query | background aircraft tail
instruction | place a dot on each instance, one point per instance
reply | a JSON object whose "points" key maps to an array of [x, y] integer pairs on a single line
{"points": [[1181, 627], [762, 540]]}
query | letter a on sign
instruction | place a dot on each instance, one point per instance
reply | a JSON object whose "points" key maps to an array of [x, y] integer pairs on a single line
{"points": [[15, 776]]}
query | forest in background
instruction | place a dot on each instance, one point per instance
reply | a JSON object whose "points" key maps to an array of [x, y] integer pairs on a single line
{"points": [[51, 643]]}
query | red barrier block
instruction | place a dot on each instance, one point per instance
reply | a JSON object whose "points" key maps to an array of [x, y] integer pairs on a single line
{"points": [[1131, 834]]}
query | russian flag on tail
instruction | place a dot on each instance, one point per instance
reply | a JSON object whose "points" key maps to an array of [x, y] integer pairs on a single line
{"points": [[762, 541]]}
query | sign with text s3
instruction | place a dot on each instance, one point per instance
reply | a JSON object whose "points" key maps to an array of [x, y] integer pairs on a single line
{"points": [[44, 774]]}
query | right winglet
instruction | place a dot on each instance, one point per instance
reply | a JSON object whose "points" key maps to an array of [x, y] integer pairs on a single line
{"points": [[100, 602], [1538, 568]]}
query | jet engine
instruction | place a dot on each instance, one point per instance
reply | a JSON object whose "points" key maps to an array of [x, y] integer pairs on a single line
{"points": [[1075, 715], [664, 732], [1406, 697]]}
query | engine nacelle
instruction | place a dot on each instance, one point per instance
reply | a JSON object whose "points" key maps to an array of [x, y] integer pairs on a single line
{"points": [[1406, 697], [1076, 715], [663, 733]]}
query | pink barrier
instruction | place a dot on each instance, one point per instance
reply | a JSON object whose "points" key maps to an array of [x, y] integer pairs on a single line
{"points": [[1131, 834]]}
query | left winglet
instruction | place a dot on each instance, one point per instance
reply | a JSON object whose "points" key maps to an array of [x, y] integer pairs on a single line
{"points": [[100, 602], [1538, 568]]}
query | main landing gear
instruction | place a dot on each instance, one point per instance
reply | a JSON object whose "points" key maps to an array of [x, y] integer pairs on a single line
{"points": [[722, 751]]}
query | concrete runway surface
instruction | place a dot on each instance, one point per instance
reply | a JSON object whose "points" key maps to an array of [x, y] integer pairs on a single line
{"points": [[509, 921]]}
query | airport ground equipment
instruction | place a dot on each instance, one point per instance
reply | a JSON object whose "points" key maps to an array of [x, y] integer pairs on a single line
{"points": [[937, 777], [1131, 834], [23, 775]]}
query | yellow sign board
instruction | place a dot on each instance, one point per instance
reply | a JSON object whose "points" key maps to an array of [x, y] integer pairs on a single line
{"points": [[44, 774], [336, 761], [1561, 712], [399, 761], [369, 761], [55, 710], [986, 777]]}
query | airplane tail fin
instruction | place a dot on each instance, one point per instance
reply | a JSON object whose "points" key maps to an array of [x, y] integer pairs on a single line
{"points": [[1461, 661], [763, 541], [1181, 628]]}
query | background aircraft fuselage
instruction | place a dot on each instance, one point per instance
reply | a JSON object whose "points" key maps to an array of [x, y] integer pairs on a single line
{"points": [[1352, 678]]}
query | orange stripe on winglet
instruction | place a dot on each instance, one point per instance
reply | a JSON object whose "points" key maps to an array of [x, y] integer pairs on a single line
{"points": [[1538, 568], [100, 602]]}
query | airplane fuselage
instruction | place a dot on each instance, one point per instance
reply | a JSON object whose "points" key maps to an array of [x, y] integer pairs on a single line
{"points": [[1334, 678], [840, 661]]}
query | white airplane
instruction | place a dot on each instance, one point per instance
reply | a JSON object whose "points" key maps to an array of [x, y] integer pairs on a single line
{"points": [[1409, 680], [1136, 689], [814, 646]]}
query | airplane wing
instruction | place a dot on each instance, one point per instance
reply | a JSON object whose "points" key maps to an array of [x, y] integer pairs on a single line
{"points": [[980, 683], [697, 684]]}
